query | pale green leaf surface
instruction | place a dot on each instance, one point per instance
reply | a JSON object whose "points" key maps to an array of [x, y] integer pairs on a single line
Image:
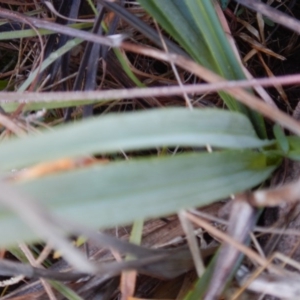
{"points": [[121, 192], [133, 131]]}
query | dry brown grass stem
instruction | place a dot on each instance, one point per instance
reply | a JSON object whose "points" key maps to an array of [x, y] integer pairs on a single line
{"points": [[233, 88], [225, 238], [288, 193]]}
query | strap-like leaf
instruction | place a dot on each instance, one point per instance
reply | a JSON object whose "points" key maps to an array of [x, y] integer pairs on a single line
{"points": [[134, 131], [119, 193]]}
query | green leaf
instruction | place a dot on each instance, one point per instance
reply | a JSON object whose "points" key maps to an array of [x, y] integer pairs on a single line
{"points": [[11, 107], [121, 192], [3, 84], [268, 21], [281, 138], [201, 285], [294, 147], [25, 33], [134, 131], [196, 27], [48, 61], [65, 290], [224, 3]]}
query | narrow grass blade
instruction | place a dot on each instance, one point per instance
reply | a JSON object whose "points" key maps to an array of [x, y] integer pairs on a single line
{"points": [[25, 33], [11, 107], [196, 27], [64, 290], [202, 283]]}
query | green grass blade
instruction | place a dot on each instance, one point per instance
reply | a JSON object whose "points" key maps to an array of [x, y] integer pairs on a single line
{"points": [[47, 62], [127, 69], [64, 290], [294, 147], [169, 14], [195, 26], [216, 41], [136, 232], [11, 107], [26, 33], [202, 283], [134, 131]]}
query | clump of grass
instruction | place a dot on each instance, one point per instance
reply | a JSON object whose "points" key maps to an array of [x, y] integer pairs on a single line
{"points": [[86, 145]]}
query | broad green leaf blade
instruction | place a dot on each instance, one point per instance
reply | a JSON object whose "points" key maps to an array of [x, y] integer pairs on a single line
{"points": [[196, 27], [121, 192], [134, 131]]}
